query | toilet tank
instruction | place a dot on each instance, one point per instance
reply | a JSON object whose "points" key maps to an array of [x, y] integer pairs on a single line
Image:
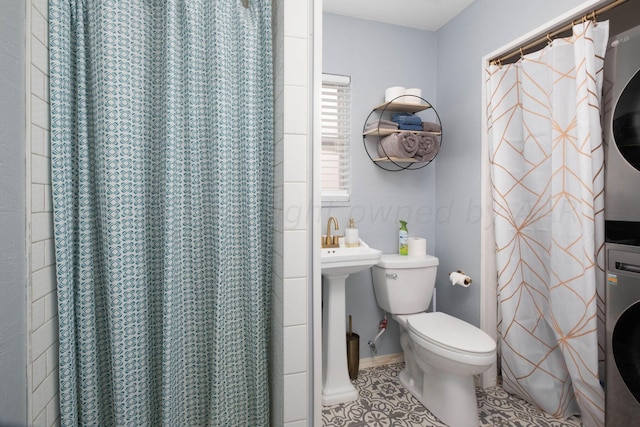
{"points": [[404, 284]]}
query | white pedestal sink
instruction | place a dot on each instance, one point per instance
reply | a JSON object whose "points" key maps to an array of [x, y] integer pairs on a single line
{"points": [[337, 264]]}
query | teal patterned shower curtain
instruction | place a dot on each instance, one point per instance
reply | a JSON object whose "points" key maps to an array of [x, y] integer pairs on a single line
{"points": [[162, 172]]}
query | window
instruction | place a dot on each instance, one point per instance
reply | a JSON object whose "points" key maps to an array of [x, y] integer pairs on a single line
{"points": [[336, 129]]}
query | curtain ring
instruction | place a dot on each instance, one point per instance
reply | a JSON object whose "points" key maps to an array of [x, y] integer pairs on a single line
{"points": [[521, 52], [549, 39]]}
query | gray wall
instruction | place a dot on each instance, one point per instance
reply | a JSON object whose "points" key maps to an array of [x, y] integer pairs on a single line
{"points": [[13, 375], [486, 25], [377, 56], [447, 66]]}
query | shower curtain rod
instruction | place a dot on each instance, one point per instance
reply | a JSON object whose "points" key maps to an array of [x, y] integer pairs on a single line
{"points": [[551, 35]]}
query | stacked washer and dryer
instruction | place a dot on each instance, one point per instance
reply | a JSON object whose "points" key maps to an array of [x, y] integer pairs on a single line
{"points": [[621, 127]]}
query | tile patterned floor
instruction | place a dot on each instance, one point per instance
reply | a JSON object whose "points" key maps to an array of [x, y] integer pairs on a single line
{"points": [[384, 402]]}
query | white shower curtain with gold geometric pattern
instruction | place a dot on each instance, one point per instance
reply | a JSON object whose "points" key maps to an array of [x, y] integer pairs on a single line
{"points": [[547, 176]]}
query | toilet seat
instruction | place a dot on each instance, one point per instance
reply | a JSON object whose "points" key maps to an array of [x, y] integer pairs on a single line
{"points": [[450, 334]]}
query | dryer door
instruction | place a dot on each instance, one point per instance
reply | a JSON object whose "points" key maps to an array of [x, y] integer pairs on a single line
{"points": [[626, 122], [621, 126]]}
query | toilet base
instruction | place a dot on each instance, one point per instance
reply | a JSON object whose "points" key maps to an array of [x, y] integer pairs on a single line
{"points": [[450, 397]]}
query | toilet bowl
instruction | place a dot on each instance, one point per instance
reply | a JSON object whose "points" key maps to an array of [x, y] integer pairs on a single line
{"points": [[442, 353]]}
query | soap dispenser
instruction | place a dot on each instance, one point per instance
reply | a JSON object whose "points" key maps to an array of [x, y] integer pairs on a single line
{"points": [[351, 238]]}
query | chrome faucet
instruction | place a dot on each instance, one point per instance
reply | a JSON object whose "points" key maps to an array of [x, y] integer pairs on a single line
{"points": [[330, 241]]}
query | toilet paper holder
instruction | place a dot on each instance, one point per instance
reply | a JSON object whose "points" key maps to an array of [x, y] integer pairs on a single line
{"points": [[467, 279]]}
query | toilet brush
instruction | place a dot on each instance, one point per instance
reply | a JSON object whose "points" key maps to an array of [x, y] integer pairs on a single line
{"points": [[353, 351]]}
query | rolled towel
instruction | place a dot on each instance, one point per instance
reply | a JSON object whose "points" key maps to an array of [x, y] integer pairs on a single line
{"points": [[431, 127], [402, 145], [428, 147], [406, 119]]}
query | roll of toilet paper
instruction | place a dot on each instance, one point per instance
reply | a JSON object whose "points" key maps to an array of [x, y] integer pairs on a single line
{"points": [[416, 98], [417, 246], [459, 279], [393, 92]]}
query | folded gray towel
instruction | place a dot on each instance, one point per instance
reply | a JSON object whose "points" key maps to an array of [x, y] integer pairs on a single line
{"points": [[402, 145], [431, 127], [382, 124], [428, 147]]}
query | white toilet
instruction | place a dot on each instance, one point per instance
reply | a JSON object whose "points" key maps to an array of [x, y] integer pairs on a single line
{"points": [[442, 353]]}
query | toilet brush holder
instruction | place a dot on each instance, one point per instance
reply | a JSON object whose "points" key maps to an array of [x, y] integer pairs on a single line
{"points": [[353, 352]]}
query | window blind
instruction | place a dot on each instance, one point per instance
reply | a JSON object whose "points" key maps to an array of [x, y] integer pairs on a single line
{"points": [[336, 130]]}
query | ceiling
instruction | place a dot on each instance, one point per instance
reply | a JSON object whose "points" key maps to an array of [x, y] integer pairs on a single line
{"points": [[422, 14]]}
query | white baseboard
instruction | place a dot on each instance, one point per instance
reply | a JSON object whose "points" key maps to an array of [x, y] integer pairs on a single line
{"points": [[387, 359]]}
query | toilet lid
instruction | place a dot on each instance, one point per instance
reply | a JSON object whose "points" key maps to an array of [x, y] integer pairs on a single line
{"points": [[452, 333]]}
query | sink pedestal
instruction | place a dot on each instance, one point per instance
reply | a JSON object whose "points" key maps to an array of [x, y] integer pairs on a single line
{"points": [[336, 384]]}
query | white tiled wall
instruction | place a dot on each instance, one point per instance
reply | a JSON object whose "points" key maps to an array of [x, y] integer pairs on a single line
{"points": [[291, 372], [42, 311]]}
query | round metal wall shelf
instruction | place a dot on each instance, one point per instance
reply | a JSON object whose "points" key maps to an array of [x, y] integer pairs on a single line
{"points": [[373, 135]]}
